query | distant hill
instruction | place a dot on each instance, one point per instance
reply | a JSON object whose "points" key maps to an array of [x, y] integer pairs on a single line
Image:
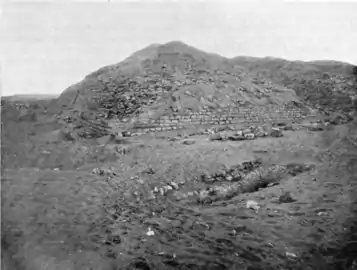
{"points": [[26, 107], [271, 63], [30, 97]]}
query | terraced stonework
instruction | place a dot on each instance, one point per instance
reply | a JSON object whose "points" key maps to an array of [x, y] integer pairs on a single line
{"points": [[233, 118]]}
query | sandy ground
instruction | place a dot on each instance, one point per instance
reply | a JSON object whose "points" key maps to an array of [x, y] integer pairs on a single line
{"points": [[57, 217]]}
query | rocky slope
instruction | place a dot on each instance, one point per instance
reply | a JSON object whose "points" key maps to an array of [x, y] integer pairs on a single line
{"points": [[166, 79], [326, 84], [177, 79]]}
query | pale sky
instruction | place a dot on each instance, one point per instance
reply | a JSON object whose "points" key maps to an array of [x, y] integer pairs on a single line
{"points": [[49, 46]]}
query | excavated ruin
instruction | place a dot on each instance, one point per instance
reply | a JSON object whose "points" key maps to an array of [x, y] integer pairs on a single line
{"points": [[174, 86]]}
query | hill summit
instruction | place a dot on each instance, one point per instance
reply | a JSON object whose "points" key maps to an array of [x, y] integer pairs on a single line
{"points": [[173, 81]]}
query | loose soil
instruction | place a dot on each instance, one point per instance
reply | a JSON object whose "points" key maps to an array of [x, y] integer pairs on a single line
{"points": [[64, 216]]}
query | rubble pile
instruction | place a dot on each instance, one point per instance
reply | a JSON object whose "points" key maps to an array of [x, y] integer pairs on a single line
{"points": [[249, 176], [177, 81], [249, 133], [172, 86]]}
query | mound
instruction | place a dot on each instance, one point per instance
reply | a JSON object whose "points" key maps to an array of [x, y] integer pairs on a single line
{"points": [[326, 84], [167, 80]]}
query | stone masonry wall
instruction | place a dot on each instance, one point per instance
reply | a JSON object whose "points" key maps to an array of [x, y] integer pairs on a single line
{"points": [[231, 117]]}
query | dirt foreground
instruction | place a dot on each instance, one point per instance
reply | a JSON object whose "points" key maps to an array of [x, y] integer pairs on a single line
{"points": [[120, 213]]}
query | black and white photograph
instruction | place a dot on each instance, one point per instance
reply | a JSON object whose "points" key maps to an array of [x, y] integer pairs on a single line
{"points": [[178, 134]]}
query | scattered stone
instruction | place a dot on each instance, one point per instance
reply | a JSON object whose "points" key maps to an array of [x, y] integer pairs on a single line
{"points": [[276, 133], [250, 165], [252, 205], [141, 181], [206, 178], [249, 176], [315, 127], [289, 254], [217, 137], [207, 132], [221, 172], [259, 132], [246, 131], [149, 170], [289, 127], [249, 136], [126, 134], [272, 184], [229, 177], [180, 196], [339, 119], [103, 172], [174, 185], [286, 198], [150, 232], [236, 138], [203, 193], [250, 133], [189, 142], [297, 168], [122, 150]]}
